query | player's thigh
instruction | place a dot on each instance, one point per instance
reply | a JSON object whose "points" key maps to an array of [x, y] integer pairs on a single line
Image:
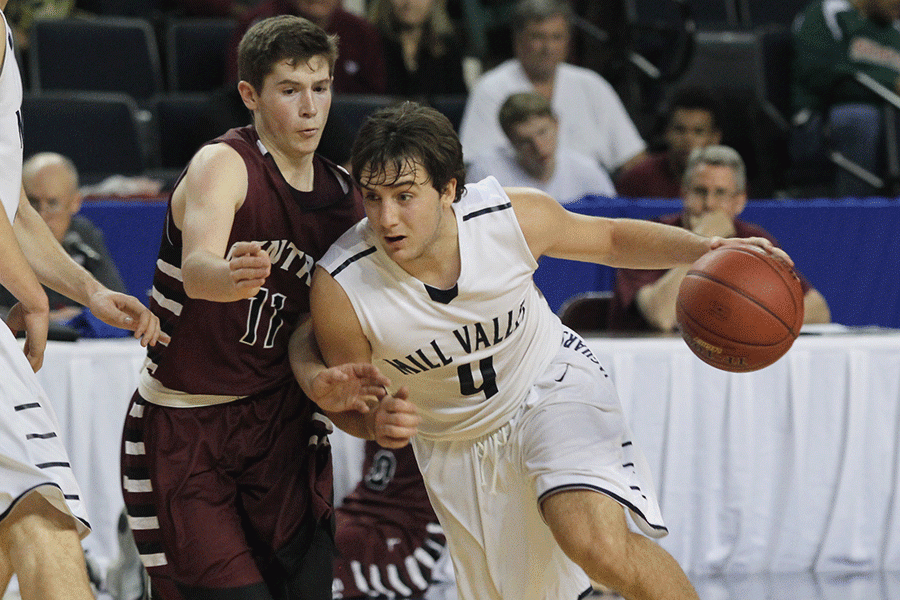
{"points": [[181, 505]]}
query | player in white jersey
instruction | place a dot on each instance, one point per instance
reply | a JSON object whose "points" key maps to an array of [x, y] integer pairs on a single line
{"points": [[522, 442], [42, 518]]}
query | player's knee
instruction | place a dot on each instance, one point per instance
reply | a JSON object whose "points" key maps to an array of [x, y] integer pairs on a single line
{"points": [[34, 523], [590, 529]]}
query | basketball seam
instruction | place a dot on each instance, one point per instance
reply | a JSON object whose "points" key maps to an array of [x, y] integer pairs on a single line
{"points": [[708, 277], [783, 271], [700, 325]]}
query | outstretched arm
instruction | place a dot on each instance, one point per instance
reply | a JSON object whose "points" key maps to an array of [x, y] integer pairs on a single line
{"points": [[551, 230], [347, 387], [56, 269], [339, 336]]}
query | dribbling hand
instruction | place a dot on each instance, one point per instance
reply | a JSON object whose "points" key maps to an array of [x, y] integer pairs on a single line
{"points": [[758, 243]]}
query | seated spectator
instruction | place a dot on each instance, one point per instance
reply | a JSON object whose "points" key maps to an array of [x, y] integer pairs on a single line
{"points": [[422, 50], [693, 121], [713, 195], [388, 537], [51, 184], [360, 65], [536, 159], [832, 41], [591, 116]]}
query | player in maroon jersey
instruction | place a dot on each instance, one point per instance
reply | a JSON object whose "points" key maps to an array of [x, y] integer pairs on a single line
{"points": [[226, 468]]}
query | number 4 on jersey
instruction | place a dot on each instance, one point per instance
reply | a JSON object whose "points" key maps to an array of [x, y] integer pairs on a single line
{"points": [[488, 378]]}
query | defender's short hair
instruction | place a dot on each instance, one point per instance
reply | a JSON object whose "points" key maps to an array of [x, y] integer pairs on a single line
{"points": [[284, 37]]}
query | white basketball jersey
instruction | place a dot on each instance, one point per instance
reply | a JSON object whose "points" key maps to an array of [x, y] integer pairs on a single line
{"points": [[468, 355], [10, 128]]}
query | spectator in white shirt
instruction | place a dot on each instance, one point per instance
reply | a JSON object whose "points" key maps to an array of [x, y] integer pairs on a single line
{"points": [[536, 159], [591, 116]]}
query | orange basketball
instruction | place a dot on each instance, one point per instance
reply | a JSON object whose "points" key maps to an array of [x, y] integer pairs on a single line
{"points": [[739, 309]]}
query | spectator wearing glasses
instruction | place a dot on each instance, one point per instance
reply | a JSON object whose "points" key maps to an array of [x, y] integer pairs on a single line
{"points": [[51, 185], [714, 194]]}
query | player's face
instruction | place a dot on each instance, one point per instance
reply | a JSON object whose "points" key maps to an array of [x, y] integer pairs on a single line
{"points": [[291, 109], [542, 45], [535, 143], [689, 128], [713, 188], [413, 221]]}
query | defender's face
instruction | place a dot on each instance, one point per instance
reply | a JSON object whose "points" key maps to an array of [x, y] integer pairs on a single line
{"points": [[291, 109], [407, 214]]}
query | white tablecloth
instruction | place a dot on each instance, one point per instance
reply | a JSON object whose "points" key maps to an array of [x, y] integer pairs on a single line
{"points": [[793, 467]]}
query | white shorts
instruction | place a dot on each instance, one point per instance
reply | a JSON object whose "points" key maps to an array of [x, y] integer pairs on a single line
{"points": [[32, 457], [570, 433]]}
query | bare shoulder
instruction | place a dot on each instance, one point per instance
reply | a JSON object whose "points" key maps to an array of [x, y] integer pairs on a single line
{"points": [[216, 174], [539, 216], [217, 166]]}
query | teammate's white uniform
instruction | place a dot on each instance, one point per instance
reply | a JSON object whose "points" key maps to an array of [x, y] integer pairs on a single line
{"points": [[514, 406], [32, 457]]}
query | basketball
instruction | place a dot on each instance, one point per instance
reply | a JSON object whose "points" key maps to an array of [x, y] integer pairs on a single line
{"points": [[739, 309]]}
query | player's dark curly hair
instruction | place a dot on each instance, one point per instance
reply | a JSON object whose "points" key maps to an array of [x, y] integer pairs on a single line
{"points": [[275, 39], [399, 136]]}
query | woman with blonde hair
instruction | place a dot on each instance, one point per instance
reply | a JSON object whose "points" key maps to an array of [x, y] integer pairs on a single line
{"points": [[423, 50]]}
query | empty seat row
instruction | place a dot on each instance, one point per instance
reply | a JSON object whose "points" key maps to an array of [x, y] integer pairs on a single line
{"points": [[713, 14], [107, 133], [121, 54]]}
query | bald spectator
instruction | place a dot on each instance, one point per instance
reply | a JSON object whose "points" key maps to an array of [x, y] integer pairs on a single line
{"points": [[51, 184]]}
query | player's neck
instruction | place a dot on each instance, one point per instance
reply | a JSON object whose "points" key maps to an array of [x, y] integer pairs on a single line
{"points": [[297, 170], [439, 263]]}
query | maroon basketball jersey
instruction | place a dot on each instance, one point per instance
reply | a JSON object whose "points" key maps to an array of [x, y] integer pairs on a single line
{"points": [[240, 348]]}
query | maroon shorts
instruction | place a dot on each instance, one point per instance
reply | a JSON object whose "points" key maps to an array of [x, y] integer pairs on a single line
{"points": [[382, 559], [213, 492]]}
